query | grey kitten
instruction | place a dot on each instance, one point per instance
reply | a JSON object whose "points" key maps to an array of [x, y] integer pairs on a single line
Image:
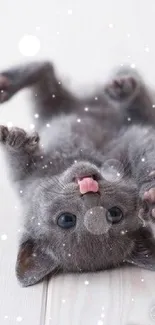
{"points": [[88, 191]]}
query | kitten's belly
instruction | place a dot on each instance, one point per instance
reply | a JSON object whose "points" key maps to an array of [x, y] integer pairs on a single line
{"points": [[71, 131]]}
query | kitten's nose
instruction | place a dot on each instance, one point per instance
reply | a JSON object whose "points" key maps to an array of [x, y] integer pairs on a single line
{"points": [[88, 184]]}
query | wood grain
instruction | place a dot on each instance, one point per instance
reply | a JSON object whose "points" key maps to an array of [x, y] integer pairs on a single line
{"points": [[124, 297]]}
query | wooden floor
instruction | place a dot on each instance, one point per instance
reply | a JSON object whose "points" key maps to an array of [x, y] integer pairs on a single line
{"points": [[86, 39]]}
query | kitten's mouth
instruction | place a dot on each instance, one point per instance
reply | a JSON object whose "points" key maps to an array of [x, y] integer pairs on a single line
{"points": [[88, 184]]}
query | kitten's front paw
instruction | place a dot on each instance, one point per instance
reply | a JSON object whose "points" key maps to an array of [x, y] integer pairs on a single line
{"points": [[18, 138], [122, 87]]}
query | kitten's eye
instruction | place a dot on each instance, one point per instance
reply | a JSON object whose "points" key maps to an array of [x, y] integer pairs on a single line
{"points": [[114, 215], [66, 220]]}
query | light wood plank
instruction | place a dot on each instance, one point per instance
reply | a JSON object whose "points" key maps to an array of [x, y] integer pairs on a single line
{"points": [[121, 297]]}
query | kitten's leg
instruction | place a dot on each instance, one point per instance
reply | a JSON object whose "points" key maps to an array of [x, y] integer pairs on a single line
{"points": [[50, 95], [136, 151], [128, 91], [22, 151]]}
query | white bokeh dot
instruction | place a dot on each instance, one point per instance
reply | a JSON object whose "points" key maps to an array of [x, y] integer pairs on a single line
{"points": [[19, 319], [4, 237], [29, 45], [9, 124], [32, 126], [147, 49], [132, 65], [86, 282], [100, 322]]}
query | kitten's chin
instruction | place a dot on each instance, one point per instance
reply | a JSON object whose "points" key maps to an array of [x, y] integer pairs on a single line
{"points": [[83, 170]]}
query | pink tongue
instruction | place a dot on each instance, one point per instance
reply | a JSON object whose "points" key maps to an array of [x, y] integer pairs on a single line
{"points": [[87, 185]]}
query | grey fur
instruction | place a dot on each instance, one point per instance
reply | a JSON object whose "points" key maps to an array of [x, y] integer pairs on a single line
{"points": [[117, 129]]}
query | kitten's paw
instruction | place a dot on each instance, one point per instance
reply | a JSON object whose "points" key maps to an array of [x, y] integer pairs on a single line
{"points": [[149, 197], [122, 87], [18, 138], [5, 88]]}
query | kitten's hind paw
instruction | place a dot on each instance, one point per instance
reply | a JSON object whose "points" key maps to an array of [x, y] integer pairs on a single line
{"points": [[18, 138], [149, 197], [123, 87]]}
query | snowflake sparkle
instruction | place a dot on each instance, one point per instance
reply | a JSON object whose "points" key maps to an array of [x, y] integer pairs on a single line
{"points": [[86, 109], [36, 115], [86, 282], [133, 65]]}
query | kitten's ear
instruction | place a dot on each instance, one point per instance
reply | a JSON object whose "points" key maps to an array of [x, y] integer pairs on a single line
{"points": [[33, 264], [143, 254]]}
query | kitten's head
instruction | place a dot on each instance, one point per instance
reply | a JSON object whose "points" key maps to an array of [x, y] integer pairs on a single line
{"points": [[80, 220]]}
